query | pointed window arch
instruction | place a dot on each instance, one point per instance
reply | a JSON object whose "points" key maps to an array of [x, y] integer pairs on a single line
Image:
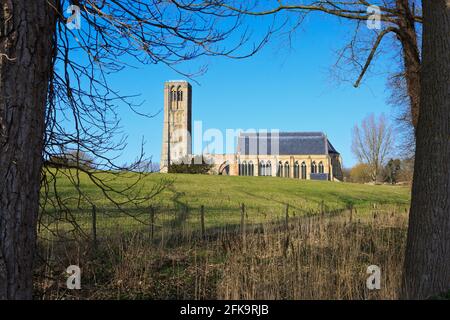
{"points": [[313, 167], [262, 168], [321, 169], [286, 170], [178, 94], [244, 168], [269, 168], [280, 169], [303, 170], [173, 94], [251, 168], [296, 170]]}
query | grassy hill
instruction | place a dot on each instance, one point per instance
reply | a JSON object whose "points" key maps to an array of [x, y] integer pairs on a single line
{"points": [[265, 198], [273, 192], [308, 256]]}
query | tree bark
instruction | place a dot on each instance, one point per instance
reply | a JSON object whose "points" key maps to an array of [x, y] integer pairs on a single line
{"points": [[26, 42], [411, 57], [427, 260]]}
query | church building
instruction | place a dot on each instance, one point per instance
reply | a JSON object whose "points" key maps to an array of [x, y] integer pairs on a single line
{"points": [[297, 155]]}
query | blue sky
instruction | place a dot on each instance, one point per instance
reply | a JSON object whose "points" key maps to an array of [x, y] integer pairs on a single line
{"points": [[282, 87]]}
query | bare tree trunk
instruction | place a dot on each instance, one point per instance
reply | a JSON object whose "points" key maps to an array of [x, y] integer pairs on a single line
{"points": [[427, 261], [26, 42], [411, 57]]}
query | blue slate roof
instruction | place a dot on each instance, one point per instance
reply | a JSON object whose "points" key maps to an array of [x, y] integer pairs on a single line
{"points": [[287, 143]]}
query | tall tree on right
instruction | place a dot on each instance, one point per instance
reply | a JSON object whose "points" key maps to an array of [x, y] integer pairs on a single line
{"points": [[427, 260]]}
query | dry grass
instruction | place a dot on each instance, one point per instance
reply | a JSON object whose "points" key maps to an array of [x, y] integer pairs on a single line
{"points": [[317, 259], [312, 257]]}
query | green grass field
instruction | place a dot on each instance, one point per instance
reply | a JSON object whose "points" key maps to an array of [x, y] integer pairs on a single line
{"points": [[271, 192], [267, 257], [265, 198]]}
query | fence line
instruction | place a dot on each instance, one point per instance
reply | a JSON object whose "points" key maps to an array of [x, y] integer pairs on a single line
{"points": [[165, 225], [94, 225]]}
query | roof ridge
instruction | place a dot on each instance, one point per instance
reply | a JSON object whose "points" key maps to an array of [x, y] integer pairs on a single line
{"points": [[302, 133]]}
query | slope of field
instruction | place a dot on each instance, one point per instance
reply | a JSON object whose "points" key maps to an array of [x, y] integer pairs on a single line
{"points": [[162, 248], [225, 192], [273, 192], [265, 198]]}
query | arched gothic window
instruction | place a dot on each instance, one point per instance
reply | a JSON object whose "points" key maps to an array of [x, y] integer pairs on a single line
{"points": [[244, 168], [303, 170], [176, 94], [262, 168], [268, 168], [286, 170], [280, 169], [313, 167], [296, 170], [251, 168], [321, 167]]}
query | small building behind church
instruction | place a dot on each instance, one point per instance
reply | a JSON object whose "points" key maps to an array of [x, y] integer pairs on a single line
{"points": [[296, 155]]}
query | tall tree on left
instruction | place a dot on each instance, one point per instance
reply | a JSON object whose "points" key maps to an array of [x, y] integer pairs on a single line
{"points": [[26, 51], [55, 101]]}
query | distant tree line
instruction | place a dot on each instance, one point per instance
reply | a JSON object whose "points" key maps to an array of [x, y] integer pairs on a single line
{"points": [[72, 159], [393, 172], [373, 144]]}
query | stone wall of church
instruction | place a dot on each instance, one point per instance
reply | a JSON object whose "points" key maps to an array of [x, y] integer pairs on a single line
{"points": [[314, 164]]}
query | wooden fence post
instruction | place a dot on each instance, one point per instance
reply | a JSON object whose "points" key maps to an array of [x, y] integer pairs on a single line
{"points": [[322, 209], [286, 222], [243, 226], [202, 221], [351, 212], [94, 225], [152, 222], [287, 216]]}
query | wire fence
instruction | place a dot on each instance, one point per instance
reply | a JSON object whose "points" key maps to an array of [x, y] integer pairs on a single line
{"points": [[166, 225]]}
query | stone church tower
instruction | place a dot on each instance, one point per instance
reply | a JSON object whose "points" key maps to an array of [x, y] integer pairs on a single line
{"points": [[177, 134]]}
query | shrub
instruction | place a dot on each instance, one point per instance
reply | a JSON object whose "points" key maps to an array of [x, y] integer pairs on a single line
{"points": [[192, 166], [360, 173]]}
